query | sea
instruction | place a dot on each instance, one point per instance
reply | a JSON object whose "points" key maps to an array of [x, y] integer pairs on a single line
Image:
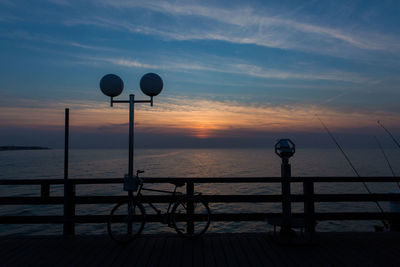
{"points": [[113, 163]]}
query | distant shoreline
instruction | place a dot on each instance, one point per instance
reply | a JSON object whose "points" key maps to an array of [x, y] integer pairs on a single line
{"points": [[8, 148]]}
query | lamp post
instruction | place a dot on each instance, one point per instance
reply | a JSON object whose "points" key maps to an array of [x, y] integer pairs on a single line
{"points": [[112, 85]]}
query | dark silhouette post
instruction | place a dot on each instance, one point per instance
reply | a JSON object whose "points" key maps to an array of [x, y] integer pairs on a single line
{"points": [[66, 144], [309, 207], [69, 190], [131, 131], [190, 208], [285, 148]]}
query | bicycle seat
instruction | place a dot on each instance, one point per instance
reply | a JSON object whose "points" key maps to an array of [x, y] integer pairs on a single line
{"points": [[178, 184]]}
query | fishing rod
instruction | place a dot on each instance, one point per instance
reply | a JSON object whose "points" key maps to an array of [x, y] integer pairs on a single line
{"points": [[385, 156], [354, 169], [340, 148], [394, 139]]}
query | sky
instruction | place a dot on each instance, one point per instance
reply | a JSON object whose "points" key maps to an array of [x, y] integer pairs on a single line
{"points": [[235, 73]]}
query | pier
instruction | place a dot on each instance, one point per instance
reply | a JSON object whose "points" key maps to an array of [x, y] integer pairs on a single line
{"points": [[228, 249], [330, 249]]}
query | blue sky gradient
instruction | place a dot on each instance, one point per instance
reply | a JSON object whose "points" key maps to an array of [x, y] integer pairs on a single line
{"points": [[236, 68]]}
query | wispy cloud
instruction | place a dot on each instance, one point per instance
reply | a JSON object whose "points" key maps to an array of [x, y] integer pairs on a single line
{"points": [[195, 63], [235, 68], [28, 36], [60, 2], [129, 63], [7, 3], [9, 18], [243, 25], [335, 75]]}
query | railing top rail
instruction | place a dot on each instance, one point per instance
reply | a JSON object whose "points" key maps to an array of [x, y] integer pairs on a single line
{"points": [[30, 181], [329, 179], [345, 179]]}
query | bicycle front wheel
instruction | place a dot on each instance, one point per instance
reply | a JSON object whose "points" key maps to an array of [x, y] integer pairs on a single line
{"points": [[126, 221], [191, 216]]}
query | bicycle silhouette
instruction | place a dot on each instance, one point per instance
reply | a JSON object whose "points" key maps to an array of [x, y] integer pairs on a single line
{"points": [[188, 215]]}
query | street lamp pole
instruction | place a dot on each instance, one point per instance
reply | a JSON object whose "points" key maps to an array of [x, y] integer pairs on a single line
{"points": [[131, 132], [112, 85]]}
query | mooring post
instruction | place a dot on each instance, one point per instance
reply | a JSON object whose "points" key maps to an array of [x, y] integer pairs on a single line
{"points": [[190, 207], [69, 189], [309, 206]]}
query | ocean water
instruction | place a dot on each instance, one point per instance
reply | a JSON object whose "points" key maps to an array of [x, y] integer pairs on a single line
{"points": [[48, 164]]}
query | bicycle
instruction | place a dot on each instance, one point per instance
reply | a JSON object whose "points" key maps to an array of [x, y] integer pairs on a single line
{"points": [[189, 215]]}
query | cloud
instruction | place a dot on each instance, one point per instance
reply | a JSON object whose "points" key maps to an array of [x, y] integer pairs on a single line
{"points": [[241, 25], [258, 71], [28, 36], [193, 117], [240, 68], [60, 2], [129, 63], [237, 67], [7, 3], [9, 18]]}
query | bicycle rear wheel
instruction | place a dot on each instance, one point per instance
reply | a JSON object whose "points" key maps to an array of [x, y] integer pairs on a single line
{"points": [[126, 221], [191, 216]]}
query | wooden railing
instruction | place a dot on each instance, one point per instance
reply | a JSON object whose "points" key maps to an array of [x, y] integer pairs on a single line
{"points": [[308, 198]]}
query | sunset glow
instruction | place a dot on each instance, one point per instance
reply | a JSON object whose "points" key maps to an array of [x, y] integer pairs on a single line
{"points": [[196, 118], [231, 69]]}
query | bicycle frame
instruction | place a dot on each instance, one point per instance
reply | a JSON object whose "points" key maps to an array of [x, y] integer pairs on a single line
{"points": [[122, 230], [158, 211]]}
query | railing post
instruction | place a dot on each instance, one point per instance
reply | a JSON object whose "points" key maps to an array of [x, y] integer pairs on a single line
{"points": [[309, 207], [45, 191], [190, 207], [69, 209]]}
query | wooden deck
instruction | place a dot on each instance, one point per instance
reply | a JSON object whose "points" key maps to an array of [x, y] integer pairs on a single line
{"points": [[329, 249]]}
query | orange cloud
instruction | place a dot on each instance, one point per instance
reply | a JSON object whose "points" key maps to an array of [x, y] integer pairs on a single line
{"points": [[192, 117], [205, 118]]}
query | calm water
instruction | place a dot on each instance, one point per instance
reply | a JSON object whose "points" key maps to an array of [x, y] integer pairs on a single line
{"points": [[193, 163]]}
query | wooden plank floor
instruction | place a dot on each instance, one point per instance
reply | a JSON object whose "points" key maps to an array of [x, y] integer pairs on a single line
{"points": [[327, 249]]}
